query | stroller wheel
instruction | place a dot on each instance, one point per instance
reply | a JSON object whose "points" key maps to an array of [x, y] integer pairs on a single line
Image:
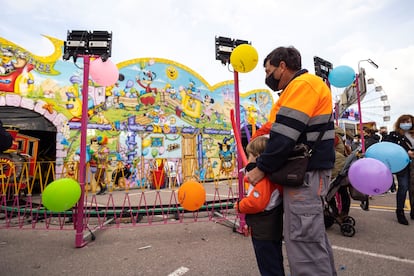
{"points": [[349, 220], [347, 230]]}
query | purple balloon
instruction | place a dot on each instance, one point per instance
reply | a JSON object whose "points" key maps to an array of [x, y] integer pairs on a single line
{"points": [[370, 176]]}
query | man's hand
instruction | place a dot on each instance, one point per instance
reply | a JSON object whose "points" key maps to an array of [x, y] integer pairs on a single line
{"points": [[254, 176]]}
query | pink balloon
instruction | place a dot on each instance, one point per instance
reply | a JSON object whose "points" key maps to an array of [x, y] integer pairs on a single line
{"points": [[370, 176], [103, 73]]}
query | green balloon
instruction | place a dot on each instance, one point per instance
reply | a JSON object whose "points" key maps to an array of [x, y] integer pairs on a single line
{"points": [[61, 195]]}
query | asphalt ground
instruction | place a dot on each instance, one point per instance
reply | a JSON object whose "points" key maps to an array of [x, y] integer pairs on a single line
{"points": [[380, 246]]}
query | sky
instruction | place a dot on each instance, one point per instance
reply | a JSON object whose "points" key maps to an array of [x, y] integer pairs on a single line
{"points": [[343, 32]]}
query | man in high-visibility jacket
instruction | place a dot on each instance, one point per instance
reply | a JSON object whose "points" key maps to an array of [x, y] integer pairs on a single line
{"points": [[302, 111]]}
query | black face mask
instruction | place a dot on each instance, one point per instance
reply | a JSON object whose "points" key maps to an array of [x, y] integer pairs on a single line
{"points": [[272, 82]]}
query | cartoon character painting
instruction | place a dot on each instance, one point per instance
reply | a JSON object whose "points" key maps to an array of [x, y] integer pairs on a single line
{"points": [[15, 73], [226, 154], [157, 109], [147, 96]]}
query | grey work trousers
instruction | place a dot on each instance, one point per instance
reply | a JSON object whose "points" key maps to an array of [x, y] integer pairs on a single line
{"points": [[308, 249]]}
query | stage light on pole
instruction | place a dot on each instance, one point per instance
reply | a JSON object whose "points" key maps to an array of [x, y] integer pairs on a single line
{"points": [[95, 43], [322, 68], [85, 44], [225, 46]]}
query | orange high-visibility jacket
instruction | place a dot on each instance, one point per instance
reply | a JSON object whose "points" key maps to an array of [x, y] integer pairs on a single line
{"points": [[303, 110]]}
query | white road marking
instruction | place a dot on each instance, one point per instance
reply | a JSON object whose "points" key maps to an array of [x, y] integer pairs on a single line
{"points": [[180, 271], [367, 253], [382, 256]]}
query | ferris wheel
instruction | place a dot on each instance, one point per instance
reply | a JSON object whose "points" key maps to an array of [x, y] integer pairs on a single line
{"points": [[374, 104], [375, 107]]}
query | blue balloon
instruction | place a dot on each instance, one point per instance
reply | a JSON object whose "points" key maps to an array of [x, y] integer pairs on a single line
{"points": [[392, 155], [341, 76]]}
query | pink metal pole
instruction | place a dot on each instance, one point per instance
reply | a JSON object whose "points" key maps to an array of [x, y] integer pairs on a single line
{"points": [[360, 114], [82, 163], [239, 158]]}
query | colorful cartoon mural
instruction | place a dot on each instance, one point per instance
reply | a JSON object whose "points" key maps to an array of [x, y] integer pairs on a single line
{"points": [[158, 109]]}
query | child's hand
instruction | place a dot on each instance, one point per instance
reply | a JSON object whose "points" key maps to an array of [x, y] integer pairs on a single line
{"points": [[235, 206]]}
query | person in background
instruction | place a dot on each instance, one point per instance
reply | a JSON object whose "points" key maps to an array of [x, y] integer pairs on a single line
{"points": [[264, 215], [6, 140], [341, 153], [303, 110], [383, 131], [370, 138], [403, 135], [356, 143]]}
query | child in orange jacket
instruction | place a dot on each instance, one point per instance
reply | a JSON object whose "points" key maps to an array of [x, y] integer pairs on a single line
{"points": [[264, 215]]}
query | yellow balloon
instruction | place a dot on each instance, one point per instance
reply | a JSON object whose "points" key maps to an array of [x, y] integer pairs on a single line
{"points": [[244, 58]]}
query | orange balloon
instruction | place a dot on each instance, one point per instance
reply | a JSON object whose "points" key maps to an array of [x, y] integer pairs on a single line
{"points": [[191, 195]]}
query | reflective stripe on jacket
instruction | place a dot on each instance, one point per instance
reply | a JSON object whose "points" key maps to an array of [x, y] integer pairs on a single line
{"points": [[300, 114]]}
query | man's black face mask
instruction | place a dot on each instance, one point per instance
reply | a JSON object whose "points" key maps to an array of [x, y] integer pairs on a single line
{"points": [[272, 82]]}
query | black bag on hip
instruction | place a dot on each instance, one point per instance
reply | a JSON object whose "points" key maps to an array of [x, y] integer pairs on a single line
{"points": [[292, 173]]}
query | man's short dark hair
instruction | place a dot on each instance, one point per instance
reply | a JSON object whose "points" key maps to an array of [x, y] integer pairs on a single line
{"points": [[290, 55]]}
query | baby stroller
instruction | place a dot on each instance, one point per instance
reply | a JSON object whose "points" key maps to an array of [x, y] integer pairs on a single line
{"points": [[339, 186]]}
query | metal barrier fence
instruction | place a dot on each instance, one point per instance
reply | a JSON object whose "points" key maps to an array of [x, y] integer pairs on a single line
{"points": [[150, 201]]}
